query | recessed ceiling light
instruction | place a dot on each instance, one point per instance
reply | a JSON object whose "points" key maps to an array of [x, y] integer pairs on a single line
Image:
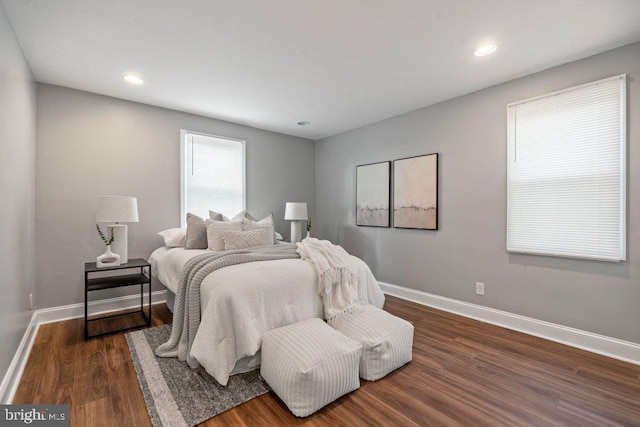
{"points": [[133, 79], [485, 50], [304, 123]]}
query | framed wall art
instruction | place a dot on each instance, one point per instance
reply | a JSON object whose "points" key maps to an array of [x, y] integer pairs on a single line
{"points": [[415, 192], [373, 191]]}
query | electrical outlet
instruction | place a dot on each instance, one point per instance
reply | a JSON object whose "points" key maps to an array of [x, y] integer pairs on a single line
{"points": [[31, 301], [479, 288]]}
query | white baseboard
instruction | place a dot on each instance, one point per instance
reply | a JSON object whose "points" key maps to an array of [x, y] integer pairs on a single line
{"points": [[595, 343], [14, 373], [73, 311], [11, 380]]}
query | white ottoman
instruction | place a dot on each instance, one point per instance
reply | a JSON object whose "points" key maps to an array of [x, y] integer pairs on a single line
{"points": [[387, 341], [309, 365]]}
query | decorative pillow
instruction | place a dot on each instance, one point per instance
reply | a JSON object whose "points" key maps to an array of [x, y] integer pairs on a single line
{"points": [[196, 232], [215, 231], [174, 237], [245, 239], [265, 224], [240, 215], [253, 218], [217, 216], [279, 236]]}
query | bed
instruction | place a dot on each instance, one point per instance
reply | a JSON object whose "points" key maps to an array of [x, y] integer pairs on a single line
{"points": [[276, 293]]}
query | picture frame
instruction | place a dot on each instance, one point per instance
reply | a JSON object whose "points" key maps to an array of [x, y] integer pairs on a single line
{"points": [[373, 195], [415, 192]]}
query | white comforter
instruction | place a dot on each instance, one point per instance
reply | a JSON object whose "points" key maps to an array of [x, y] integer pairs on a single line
{"points": [[242, 302], [167, 264]]}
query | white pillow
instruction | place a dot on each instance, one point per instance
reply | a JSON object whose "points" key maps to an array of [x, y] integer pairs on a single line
{"points": [[216, 230], [174, 237], [245, 239], [264, 224], [217, 216], [240, 216], [279, 236]]}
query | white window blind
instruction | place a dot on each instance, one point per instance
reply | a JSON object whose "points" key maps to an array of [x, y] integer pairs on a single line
{"points": [[213, 175], [566, 172]]}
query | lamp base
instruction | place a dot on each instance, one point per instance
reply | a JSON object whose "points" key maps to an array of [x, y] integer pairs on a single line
{"points": [[296, 231], [120, 244], [108, 259]]}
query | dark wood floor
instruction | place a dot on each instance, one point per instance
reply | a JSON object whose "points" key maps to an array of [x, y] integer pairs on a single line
{"points": [[463, 372]]}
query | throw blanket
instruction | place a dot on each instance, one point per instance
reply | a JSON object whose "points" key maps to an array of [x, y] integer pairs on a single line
{"points": [[336, 281], [186, 314]]}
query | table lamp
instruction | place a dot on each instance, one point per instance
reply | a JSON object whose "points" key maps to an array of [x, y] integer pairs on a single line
{"points": [[118, 209], [296, 212]]}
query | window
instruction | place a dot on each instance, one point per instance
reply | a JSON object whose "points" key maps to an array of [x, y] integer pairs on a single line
{"points": [[566, 172], [213, 175]]}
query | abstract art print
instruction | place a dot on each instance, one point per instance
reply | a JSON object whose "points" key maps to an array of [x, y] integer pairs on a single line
{"points": [[372, 194], [415, 192]]}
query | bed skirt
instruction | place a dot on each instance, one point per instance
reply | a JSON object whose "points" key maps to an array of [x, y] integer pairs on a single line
{"points": [[171, 299]]}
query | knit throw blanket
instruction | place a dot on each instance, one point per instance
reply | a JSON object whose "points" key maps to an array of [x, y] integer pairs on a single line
{"points": [[186, 314], [336, 281]]}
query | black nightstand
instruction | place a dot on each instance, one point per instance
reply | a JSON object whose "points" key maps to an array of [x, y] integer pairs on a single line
{"points": [[110, 282]]}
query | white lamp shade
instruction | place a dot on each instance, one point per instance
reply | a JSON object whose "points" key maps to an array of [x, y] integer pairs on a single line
{"points": [[117, 209], [295, 211]]}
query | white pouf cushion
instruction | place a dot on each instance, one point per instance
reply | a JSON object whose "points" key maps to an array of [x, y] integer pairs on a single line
{"points": [[309, 365], [387, 341]]}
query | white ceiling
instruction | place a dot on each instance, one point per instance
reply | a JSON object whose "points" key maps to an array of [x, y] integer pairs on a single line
{"points": [[339, 64]]}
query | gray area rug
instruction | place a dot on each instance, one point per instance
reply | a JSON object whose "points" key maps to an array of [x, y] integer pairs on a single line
{"points": [[177, 395]]}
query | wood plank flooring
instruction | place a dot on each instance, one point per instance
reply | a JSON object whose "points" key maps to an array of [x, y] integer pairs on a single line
{"points": [[463, 372]]}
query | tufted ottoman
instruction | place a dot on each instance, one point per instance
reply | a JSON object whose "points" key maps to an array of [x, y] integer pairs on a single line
{"points": [[387, 341], [309, 365]]}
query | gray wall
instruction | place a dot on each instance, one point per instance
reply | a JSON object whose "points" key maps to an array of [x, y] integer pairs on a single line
{"points": [[17, 189], [469, 132], [89, 145]]}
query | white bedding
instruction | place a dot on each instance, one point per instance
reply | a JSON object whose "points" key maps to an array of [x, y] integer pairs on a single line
{"points": [[167, 264], [242, 302]]}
